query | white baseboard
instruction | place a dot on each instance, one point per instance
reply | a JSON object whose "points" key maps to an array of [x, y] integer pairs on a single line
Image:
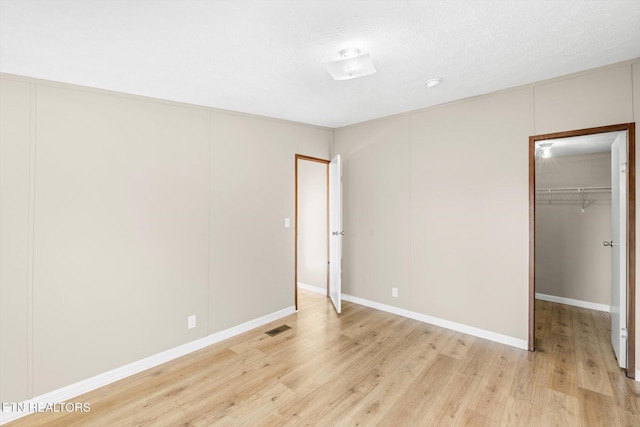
{"points": [[459, 327], [64, 394], [316, 289], [638, 375], [574, 302]]}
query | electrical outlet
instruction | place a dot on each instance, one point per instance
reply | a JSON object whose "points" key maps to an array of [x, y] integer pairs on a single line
{"points": [[394, 292], [191, 322]]}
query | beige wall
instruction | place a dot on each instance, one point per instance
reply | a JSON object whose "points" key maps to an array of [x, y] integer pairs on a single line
{"points": [[461, 210], [139, 214], [376, 178], [469, 214], [590, 99], [312, 223], [420, 211], [121, 203], [571, 261], [15, 155]]}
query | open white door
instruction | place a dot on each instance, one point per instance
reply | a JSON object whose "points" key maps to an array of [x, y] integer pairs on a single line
{"points": [[336, 233], [619, 248]]}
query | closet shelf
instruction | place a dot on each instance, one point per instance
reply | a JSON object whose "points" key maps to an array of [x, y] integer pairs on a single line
{"points": [[585, 196]]}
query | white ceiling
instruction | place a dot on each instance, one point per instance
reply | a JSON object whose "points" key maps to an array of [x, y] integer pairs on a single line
{"points": [[266, 57]]}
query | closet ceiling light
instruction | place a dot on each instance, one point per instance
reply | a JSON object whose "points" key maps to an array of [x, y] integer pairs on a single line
{"points": [[546, 150], [352, 65]]}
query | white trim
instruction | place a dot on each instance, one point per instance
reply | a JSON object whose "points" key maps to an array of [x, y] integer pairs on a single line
{"points": [[65, 393], [316, 289], [638, 375], [574, 302], [476, 332]]}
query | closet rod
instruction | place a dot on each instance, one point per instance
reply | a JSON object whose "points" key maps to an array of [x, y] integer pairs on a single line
{"points": [[572, 189]]}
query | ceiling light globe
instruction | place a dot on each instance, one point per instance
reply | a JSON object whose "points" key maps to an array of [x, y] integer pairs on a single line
{"points": [[351, 52]]}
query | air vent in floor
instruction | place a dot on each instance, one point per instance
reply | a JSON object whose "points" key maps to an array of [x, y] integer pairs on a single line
{"points": [[277, 330]]}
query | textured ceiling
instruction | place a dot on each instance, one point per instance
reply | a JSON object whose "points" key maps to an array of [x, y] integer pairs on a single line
{"points": [[266, 57]]}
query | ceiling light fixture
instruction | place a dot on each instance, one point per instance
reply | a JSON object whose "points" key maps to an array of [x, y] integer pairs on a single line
{"points": [[351, 52], [546, 150], [433, 82], [352, 65]]}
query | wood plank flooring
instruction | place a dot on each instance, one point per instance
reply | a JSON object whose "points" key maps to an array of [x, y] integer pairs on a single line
{"points": [[367, 367]]}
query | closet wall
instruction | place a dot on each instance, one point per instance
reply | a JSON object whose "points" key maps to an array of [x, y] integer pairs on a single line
{"points": [[571, 261]]}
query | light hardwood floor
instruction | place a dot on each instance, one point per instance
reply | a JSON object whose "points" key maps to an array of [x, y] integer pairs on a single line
{"points": [[367, 367]]}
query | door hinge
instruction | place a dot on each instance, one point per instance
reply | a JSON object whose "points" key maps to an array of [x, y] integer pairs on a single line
{"points": [[623, 167], [624, 334]]}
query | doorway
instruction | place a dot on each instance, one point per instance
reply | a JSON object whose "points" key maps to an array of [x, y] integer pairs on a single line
{"points": [[311, 225], [542, 145]]}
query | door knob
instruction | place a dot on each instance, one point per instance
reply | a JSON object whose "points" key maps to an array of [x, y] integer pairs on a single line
{"points": [[605, 243]]}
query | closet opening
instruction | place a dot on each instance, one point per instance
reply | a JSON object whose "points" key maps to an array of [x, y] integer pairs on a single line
{"points": [[582, 229]]}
